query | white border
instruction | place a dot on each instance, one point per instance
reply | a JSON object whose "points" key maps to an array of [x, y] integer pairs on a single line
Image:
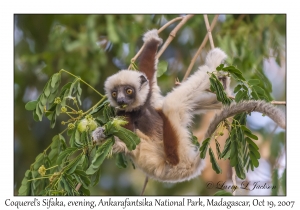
{"points": [[9, 8]]}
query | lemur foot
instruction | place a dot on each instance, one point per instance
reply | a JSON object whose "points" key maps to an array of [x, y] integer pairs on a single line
{"points": [[98, 135]]}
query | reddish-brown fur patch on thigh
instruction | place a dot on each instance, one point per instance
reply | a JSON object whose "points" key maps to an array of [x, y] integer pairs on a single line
{"points": [[170, 139]]}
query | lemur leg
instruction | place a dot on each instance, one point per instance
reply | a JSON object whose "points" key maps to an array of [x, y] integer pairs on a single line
{"points": [[181, 103], [192, 94]]}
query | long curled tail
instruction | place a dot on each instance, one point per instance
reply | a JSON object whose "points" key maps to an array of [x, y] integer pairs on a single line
{"points": [[247, 106]]}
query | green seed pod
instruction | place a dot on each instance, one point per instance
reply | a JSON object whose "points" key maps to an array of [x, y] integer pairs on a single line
{"points": [[87, 124]]}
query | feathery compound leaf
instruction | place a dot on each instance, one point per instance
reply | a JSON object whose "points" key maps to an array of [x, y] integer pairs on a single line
{"points": [[214, 163], [218, 88], [203, 148], [100, 155]]}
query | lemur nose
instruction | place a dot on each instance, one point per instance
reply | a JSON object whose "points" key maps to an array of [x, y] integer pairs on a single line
{"points": [[121, 101]]}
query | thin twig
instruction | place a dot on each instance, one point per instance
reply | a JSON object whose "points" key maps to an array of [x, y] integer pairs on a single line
{"points": [[234, 180], [211, 41], [200, 48], [159, 30], [169, 23], [173, 34], [145, 184], [278, 102]]}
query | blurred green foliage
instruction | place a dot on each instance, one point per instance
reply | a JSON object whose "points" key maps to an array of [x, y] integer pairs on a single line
{"points": [[96, 46]]}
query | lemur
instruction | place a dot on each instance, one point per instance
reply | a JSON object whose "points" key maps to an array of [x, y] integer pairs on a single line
{"points": [[166, 152]]}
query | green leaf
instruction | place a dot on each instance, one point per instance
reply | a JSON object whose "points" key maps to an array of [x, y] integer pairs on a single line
{"points": [[254, 160], [240, 95], [213, 87], [237, 74], [214, 163], [204, 147], [220, 67], [161, 68], [95, 177], [251, 135], [74, 163], [127, 136], [226, 149], [62, 156], [253, 82], [121, 161], [258, 90], [254, 152], [26, 185], [222, 193], [31, 105], [55, 79], [237, 88], [250, 142]]}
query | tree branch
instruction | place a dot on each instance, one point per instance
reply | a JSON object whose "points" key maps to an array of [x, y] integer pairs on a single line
{"points": [[211, 41], [200, 48], [173, 34], [278, 102], [247, 106]]}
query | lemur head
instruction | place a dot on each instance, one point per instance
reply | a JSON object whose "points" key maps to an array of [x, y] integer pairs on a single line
{"points": [[127, 89]]}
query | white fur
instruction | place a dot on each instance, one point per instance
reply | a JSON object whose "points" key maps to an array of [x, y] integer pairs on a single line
{"points": [[152, 34], [127, 77]]}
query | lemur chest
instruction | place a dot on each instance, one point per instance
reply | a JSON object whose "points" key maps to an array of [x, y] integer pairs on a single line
{"points": [[147, 121]]}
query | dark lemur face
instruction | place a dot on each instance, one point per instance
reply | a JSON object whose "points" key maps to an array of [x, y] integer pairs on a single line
{"points": [[124, 95]]}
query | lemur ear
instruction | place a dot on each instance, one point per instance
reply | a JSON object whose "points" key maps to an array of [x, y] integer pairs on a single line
{"points": [[143, 79]]}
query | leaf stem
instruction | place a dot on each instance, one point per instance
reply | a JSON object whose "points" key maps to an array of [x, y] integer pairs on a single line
{"points": [[71, 108], [104, 97], [82, 81]]}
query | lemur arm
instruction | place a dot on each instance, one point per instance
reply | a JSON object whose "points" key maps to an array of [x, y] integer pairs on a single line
{"points": [[148, 65]]}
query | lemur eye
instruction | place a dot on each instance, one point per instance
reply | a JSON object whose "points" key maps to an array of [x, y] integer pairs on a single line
{"points": [[114, 94], [129, 91]]}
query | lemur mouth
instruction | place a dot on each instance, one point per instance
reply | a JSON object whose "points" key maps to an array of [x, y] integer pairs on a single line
{"points": [[123, 106]]}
